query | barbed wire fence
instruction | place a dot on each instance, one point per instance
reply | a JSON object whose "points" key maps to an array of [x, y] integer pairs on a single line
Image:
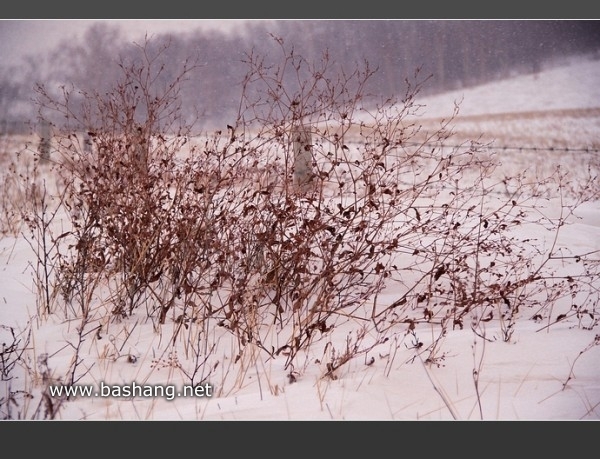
{"points": [[12, 129], [521, 148]]}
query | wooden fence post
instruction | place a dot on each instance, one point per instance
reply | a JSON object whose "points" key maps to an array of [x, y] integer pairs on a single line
{"points": [[45, 141], [303, 158]]}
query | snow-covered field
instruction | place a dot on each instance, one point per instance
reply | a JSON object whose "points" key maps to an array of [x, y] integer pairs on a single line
{"points": [[543, 372], [558, 107]]}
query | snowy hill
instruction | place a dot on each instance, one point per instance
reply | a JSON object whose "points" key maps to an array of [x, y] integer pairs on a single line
{"points": [[558, 108], [572, 85]]}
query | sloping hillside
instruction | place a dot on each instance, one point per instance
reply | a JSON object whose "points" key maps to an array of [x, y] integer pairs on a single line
{"points": [[556, 108]]}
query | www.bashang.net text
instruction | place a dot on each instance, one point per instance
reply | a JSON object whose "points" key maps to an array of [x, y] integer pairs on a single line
{"points": [[128, 391]]}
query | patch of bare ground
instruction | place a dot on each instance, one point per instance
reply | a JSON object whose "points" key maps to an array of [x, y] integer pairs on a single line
{"points": [[567, 129]]}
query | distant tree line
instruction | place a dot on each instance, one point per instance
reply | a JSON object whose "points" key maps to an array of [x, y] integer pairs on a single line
{"points": [[456, 53]]}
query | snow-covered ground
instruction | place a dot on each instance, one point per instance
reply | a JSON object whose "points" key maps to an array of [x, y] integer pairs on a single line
{"points": [[558, 107], [573, 85], [542, 372]]}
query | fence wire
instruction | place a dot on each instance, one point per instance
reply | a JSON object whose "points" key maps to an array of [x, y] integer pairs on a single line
{"points": [[509, 147]]}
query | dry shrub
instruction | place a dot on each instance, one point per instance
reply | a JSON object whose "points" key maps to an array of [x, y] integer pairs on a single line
{"points": [[286, 226]]}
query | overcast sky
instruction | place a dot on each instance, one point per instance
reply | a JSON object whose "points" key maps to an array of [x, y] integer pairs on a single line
{"points": [[19, 38]]}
